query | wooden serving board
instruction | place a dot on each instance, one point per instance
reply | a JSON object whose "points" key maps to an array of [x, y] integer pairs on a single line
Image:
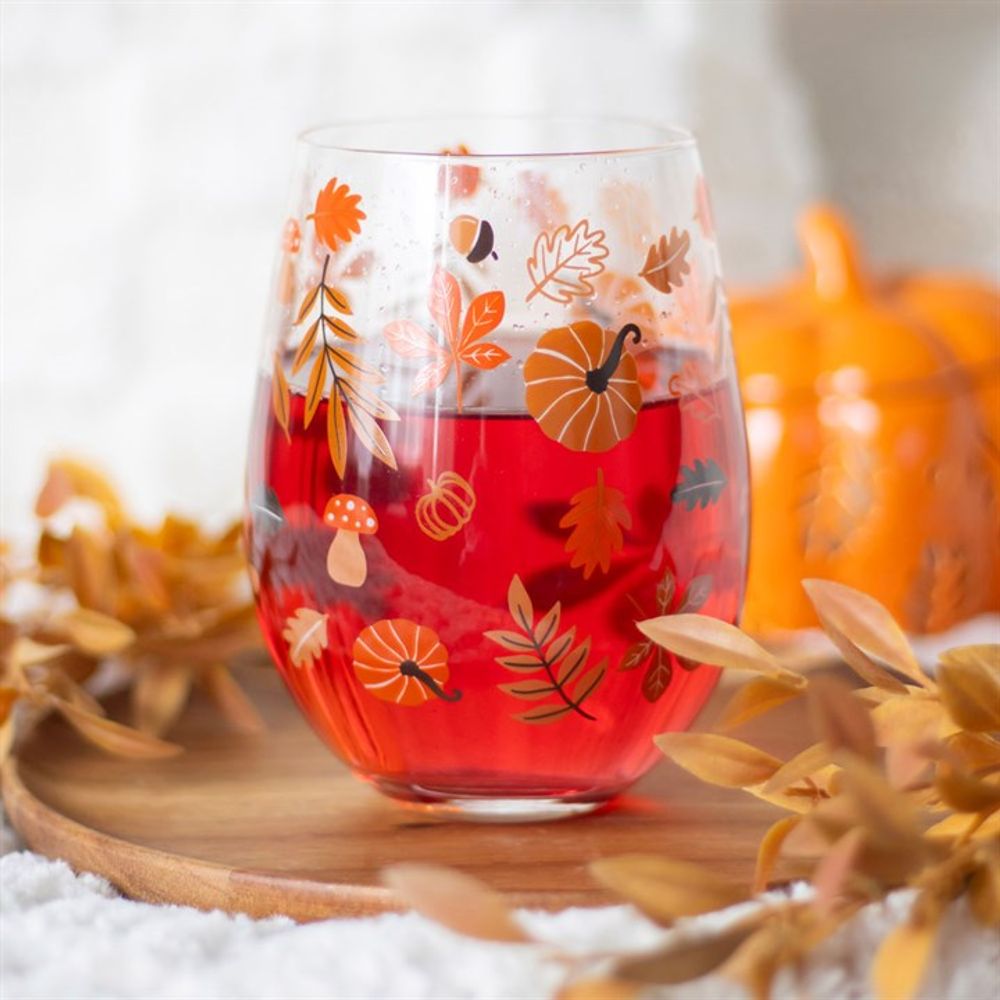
{"points": [[275, 824]]}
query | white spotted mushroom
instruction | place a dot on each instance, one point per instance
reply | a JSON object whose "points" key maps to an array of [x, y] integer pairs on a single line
{"points": [[350, 517]]}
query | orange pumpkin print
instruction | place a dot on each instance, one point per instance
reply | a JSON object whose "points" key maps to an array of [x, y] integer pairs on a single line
{"points": [[447, 506], [582, 386], [336, 216], [399, 661]]}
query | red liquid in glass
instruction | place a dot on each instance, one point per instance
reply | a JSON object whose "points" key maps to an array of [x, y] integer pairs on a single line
{"points": [[458, 587]]}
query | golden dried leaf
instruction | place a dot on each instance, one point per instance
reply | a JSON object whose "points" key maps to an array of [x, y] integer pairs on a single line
{"points": [[974, 751], [703, 639], [95, 633], [684, 960], [865, 622], [906, 764], [803, 765], [26, 652], [965, 792], [455, 900], [719, 760], [902, 960], [159, 693], [887, 814], [835, 868], [969, 681], [754, 698], [221, 687], [113, 736], [907, 719], [599, 989], [984, 893], [839, 718], [864, 666], [6, 737], [665, 889], [960, 826], [66, 479], [8, 696], [770, 849]]}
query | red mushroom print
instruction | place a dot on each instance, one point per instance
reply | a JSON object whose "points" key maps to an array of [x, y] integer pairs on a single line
{"points": [[350, 517]]}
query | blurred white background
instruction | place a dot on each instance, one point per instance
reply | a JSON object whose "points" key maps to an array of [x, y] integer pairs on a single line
{"points": [[146, 150]]}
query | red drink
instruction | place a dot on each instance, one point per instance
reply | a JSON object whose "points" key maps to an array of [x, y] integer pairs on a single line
{"points": [[476, 727]]}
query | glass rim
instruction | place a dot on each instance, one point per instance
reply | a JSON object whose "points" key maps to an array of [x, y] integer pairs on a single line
{"points": [[667, 138]]}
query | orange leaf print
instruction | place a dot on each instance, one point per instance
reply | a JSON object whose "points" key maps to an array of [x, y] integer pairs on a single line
{"points": [[337, 216], [402, 662], [445, 304], [666, 262], [483, 317], [597, 515], [703, 208], [306, 635], [410, 340], [281, 398], [562, 264]]}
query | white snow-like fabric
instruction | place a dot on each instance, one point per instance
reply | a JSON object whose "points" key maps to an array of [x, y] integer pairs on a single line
{"points": [[65, 936]]}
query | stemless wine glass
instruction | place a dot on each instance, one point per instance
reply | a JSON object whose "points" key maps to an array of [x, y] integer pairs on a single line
{"points": [[497, 425]]}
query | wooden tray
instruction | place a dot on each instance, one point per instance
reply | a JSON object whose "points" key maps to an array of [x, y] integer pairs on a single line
{"points": [[275, 824]]}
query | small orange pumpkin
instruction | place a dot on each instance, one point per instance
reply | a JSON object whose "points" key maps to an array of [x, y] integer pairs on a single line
{"points": [[446, 508], [582, 386], [872, 414], [399, 661]]}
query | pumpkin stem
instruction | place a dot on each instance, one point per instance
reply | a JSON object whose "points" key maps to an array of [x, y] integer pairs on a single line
{"points": [[598, 378], [831, 254], [408, 668]]}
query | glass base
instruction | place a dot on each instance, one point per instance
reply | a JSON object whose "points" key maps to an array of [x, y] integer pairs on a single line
{"points": [[487, 808]]}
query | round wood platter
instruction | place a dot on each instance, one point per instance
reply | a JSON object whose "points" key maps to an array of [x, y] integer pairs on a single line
{"points": [[274, 824]]}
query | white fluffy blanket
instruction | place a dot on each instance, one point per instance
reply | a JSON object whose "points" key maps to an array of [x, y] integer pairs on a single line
{"points": [[65, 936]]}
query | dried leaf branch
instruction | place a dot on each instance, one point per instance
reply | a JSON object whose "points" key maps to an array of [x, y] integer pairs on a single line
{"points": [[168, 605], [901, 789]]}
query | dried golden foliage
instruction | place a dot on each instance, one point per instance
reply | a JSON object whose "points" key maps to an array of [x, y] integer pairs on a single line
{"points": [[457, 901], [901, 789], [169, 605]]}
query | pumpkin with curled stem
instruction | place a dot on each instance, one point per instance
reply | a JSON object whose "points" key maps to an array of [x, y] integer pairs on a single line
{"points": [[582, 386], [447, 506], [873, 414]]}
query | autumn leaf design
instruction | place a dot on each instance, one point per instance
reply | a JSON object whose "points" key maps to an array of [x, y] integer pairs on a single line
{"points": [[657, 661], [463, 341], [597, 515], [550, 667], [306, 634], [562, 263], [333, 364], [691, 387], [336, 216], [666, 263], [700, 484], [703, 208]]}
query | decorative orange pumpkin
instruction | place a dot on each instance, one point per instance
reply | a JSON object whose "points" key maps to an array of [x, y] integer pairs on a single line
{"points": [[399, 661], [873, 416], [582, 386], [446, 508]]}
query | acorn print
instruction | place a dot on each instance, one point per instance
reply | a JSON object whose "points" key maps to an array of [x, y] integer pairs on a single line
{"points": [[400, 661], [472, 238], [582, 386]]}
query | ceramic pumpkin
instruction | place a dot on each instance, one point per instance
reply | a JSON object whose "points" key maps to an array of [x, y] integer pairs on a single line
{"points": [[582, 386], [872, 414]]}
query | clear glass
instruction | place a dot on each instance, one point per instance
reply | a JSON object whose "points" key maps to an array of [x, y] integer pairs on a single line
{"points": [[497, 424]]}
